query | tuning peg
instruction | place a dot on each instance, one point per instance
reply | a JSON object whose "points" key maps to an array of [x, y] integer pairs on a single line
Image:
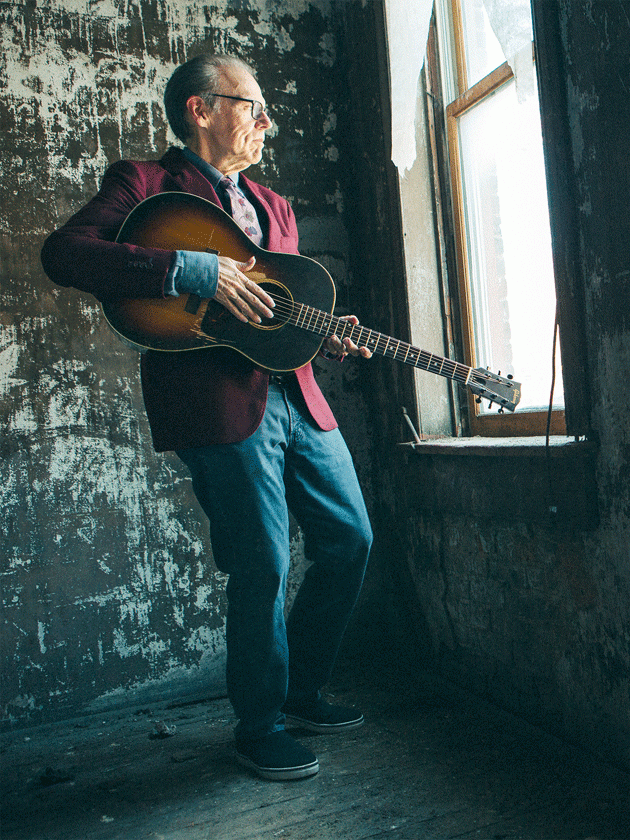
{"points": [[478, 400], [501, 410], [510, 376]]}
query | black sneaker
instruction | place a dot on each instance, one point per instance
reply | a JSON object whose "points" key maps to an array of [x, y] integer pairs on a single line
{"points": [[277, 757], [320, 716]]}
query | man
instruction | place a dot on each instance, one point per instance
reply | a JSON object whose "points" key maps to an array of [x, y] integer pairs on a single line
{"points": [[256, 445]]}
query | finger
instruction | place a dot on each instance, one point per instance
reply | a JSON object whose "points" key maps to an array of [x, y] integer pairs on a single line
{"points": [[234, 296], [252, 307], [231, 300], [354, 350], [259, 294], [236, 291], [350, 347], [335, 345], [247, 266], [231, 307], [253, 286], [255, 297]]}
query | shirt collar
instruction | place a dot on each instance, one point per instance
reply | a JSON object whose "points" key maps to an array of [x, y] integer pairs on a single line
{"points": [[207, 169]]}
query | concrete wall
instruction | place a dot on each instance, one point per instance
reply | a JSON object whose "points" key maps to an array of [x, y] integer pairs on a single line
{"points": [[109, 591]]}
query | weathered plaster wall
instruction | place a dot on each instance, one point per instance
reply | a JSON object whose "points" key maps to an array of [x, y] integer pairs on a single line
{"points": [[526, 608], [109, 591], [529, 609], [595, 43]]}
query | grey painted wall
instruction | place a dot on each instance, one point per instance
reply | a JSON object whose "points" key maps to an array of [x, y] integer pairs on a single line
{"points": [[109, 590]]}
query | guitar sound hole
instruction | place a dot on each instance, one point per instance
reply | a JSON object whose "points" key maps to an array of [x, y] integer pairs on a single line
{"points": [[276, 321], [283, 308]]}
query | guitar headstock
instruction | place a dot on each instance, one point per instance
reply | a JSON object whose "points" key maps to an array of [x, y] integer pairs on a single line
{"points": [[503, 391]]}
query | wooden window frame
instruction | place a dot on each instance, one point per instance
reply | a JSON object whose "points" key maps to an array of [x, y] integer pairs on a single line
{"points": [[521, 423]]}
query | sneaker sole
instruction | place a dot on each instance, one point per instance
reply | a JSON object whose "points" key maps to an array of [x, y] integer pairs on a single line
{"points": [[279, 774], [324, 727]]}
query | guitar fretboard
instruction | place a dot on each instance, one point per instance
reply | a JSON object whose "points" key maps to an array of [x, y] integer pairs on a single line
{"points": [[323, 323]]}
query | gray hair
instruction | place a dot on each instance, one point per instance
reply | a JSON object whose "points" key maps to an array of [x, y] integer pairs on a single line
{"points": [[197, 77]]}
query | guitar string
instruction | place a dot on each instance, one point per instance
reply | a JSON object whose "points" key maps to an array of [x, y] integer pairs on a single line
{"points": [[324, 323], [295, 311]]}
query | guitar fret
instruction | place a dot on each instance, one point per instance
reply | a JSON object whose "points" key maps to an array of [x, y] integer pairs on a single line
{"points": [[311, 313], [300, 316], [466, 374], [393, 349], [327, 325], [320, 321]]}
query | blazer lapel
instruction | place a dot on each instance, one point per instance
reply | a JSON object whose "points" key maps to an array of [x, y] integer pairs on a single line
{"points": [[272, 227]]}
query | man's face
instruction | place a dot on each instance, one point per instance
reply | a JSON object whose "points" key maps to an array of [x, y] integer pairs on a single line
{"points": [[235, 139]]}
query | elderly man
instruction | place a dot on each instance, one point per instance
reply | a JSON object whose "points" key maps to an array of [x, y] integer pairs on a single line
{"points": [[257, 445]]}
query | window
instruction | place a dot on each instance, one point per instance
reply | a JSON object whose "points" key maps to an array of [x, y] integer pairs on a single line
{"points": [[501, 219]]}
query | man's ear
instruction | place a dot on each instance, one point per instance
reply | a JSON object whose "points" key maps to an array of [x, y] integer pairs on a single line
{"points": [[197, 111]]}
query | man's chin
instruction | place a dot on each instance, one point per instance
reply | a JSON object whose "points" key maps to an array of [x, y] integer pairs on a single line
{"points": [[253, 159]]}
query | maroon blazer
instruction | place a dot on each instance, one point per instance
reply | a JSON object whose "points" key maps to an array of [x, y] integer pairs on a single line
{"points": [[196, 398]]}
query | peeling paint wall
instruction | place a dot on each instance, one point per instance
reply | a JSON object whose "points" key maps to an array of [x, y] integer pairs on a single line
{"points": [[108, 586]]}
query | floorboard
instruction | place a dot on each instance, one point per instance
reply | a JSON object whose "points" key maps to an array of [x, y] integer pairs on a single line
{"points": [[430, 764]]}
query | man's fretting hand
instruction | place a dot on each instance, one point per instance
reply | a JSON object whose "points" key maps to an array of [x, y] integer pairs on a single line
{"points": [[341, 347]]}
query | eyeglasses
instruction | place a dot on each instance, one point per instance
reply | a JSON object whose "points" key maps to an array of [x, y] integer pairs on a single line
{"points": [[258, 109]]}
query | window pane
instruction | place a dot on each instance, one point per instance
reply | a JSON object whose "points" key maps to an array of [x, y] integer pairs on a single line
{"points": [[481, 48], [508, 242]]}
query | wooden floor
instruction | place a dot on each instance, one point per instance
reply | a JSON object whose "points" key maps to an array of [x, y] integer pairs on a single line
{"points": [[429, 764]]}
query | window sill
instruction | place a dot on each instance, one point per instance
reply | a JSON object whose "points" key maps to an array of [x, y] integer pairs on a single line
{"points": [[559, 446]]}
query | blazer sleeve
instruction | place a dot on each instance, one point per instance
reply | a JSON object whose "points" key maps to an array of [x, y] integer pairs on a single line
{"points": [[83, 253]]}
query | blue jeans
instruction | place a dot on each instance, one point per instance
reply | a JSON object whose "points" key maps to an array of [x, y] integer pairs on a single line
{"points": [[247, 490]]}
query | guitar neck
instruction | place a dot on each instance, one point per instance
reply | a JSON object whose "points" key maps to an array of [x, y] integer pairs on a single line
{"points": [[317, 321]]}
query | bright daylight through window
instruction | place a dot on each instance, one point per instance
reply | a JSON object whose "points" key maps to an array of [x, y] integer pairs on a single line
{"points": [[500, 200]]}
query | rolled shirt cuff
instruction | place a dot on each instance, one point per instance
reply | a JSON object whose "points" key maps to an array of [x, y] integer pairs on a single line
{"points": [[193, 273]]}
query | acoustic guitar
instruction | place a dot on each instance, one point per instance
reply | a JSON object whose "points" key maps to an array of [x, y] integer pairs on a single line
{"points": [[302, 289]]}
